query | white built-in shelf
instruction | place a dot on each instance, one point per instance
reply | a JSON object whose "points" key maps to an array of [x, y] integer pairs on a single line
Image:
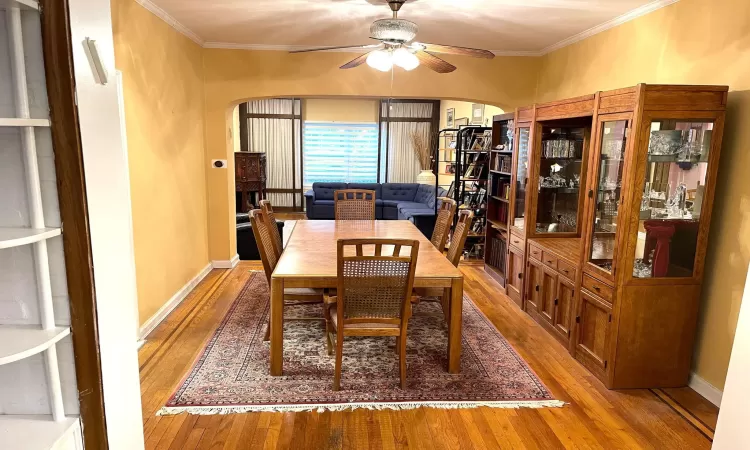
{"points": [[33, 432], [19, 342], [4, 122], [13, 237], [23, 4]]}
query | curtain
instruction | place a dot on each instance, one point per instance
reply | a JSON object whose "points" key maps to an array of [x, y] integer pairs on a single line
{"points": [[403, 164], [278, 138]]}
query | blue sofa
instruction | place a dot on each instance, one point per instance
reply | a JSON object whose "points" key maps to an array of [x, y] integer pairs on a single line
{"points": [[393, 201]]}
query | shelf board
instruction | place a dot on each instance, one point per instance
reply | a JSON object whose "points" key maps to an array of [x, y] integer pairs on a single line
{"points": [[501, 173], [33, 432], [19, 342], [498, 225], [473, 179], [504, 200], [14, 237], [562, 190], [11, 122], [506, 152]]}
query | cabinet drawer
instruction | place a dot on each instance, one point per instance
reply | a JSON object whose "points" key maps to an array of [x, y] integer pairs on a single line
{"points": [[566, 270], [535, 252], [549, 259], [597, 287], [516, 241]]}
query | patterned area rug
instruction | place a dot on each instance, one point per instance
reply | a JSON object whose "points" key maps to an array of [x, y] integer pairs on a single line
{"points": [[231, 374]]}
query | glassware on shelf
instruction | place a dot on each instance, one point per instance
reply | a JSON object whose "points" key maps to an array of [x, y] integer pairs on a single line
{"points": [[607, 199], [673, 186], [522, 168]]}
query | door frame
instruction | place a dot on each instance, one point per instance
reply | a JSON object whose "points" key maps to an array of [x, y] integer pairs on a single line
{"points": [[71, 185]]}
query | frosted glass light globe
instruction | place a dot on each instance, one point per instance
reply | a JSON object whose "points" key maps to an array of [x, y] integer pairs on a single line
{"points": [[405, 59], [380, 60]]}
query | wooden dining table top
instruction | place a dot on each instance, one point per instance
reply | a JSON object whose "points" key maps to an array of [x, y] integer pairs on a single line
{"points": [[311, 250]]}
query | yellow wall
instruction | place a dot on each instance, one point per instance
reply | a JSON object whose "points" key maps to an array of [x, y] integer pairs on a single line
{"points": [[232, 76], [340, 110], [689, 42], [163, 88]]}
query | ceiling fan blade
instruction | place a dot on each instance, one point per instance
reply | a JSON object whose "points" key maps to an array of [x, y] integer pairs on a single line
{"points": [[356, 62], [353, 48], [435, 63], [453, 50]]}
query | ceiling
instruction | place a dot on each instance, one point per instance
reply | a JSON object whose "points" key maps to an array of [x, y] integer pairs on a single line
{"points": [[531, 26]]}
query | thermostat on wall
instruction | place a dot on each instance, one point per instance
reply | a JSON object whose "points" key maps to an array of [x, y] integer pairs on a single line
{"points": [[219, 163]]}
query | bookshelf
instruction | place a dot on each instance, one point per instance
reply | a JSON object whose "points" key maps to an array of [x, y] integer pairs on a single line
{"points": [[499, 176], [469, 186]]}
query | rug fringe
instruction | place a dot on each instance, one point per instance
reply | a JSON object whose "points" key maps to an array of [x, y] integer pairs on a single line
{"points": [[213, 410]]}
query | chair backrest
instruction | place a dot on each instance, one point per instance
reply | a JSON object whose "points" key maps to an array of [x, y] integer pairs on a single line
{"points": [[374, 280], [354, 204], [267, 208], [443, 223], [264, 241], [460, 232]]}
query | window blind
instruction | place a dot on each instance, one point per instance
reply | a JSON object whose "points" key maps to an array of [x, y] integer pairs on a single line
{"points": [[340, 152]]}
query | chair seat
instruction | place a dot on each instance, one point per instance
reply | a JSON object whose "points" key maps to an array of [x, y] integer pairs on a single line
{"points": [[384, 329]]}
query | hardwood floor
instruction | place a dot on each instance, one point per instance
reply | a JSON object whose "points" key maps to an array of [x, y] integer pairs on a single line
{"points": [[594, 417]]}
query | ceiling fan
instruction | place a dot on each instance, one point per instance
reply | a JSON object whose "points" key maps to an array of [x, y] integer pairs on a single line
{"points": [[397, 47]]}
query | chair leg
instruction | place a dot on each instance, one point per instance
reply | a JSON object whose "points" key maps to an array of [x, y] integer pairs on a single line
{"points": [[329, 339], [397, 349], [402, 360], [339, 357], [267, 336]]}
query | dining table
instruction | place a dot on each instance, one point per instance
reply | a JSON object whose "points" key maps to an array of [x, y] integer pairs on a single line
{"points": [[309, 260]]}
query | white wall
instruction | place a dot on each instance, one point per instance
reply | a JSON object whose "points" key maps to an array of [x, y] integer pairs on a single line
{"points": [[110, 215], [732, 428]]}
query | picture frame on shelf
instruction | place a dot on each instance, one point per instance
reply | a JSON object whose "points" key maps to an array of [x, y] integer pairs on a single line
{"points": [[451, 190], [450, 115], [477, 113], [462, 122]]}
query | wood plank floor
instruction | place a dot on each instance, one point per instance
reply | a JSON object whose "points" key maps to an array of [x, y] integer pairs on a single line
{"points": [[593, 418]]}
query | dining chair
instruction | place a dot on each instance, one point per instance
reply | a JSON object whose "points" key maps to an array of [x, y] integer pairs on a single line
{"points": [[374, 292], [269, 256], [455, 250], [354, 204], [443, 223], [267, 208]]}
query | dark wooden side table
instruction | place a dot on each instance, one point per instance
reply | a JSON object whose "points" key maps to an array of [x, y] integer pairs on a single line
{"points": [[250, 178]]}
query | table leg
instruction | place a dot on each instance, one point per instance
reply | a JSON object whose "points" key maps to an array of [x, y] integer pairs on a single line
{"points": [[454, 325], [277, 326]]}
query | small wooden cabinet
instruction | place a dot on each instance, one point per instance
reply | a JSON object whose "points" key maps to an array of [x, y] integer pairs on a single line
{"points": [[611, 199], [250, 178], [514, 286], [593, 319]]}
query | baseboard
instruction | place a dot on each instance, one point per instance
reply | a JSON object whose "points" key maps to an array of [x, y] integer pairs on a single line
{"points": [[705, 389], [154, 321], [230, 264]]}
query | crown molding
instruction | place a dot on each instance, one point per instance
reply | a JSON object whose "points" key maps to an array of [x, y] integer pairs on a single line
{"points": [[171, 21], [627, 17], [290, 48]]}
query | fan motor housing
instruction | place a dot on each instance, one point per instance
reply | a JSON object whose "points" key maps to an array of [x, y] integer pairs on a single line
{"points": [[397, 30]]}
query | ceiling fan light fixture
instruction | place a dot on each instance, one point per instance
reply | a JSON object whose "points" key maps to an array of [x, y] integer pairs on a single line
{"points": [[405, 59], [380, 60], [397, 30]]}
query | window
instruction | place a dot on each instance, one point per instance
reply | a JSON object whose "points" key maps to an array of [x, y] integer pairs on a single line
{"points": [[340, 152]]}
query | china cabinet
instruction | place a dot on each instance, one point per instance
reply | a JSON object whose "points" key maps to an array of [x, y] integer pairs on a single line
{"points": [[610, 211]]}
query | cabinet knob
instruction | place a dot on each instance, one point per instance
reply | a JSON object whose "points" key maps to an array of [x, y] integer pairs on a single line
{"points": [[537, 288], [597, 289], [520, 275]]}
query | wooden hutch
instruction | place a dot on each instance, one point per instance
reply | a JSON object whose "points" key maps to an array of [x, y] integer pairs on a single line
{"points": [[610, 208]]}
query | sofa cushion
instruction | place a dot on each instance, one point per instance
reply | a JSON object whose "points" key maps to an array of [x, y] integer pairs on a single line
{"points": [[391, 203], [325, 191], [369, 186], [413, 206], [389, 213], [425, 194], [325, 202], [403, 192]]}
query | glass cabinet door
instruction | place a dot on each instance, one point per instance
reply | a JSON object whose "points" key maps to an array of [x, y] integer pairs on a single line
{"points": [[673, 189], [560, 165], [607, 193], [522, 171]]}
